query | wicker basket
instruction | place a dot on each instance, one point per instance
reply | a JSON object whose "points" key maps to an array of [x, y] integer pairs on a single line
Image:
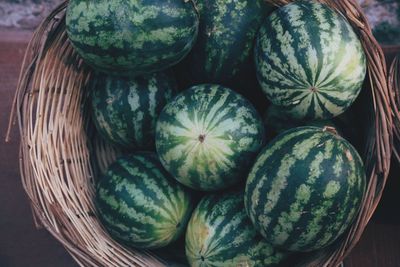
{"points": [[394, 86], [58, 164]]}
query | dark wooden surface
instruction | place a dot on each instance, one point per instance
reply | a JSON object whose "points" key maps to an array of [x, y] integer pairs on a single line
{"points": [[21, 245]]}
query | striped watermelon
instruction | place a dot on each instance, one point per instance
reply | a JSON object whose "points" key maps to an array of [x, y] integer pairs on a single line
{"points": [[220, 234], [309, 60], [226, 37], [208, 136], [132, 37], [305, 189], [277, 120], [140, 204], [125, 110]]}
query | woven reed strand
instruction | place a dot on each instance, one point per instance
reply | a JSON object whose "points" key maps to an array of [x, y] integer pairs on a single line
{"points": [[59, 158], [394, 84]]}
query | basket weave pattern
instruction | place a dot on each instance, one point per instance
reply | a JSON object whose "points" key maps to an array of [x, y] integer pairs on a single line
{"points": [[60, 156], [394, 85]]}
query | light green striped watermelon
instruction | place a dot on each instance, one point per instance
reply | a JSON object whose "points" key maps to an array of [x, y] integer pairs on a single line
{"points": [[125, 110], [226, 37], [305, 189], [132, 37], [309, 60], [208, 136], [220, 234], [139, 204]]}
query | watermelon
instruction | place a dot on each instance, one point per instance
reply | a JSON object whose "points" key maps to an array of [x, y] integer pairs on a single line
{"points": [[226, 37], [305, 189], [140, 204], [208, 136], [220, 234], [125, 110], [309, 60], [132, 37], [277, 120]]}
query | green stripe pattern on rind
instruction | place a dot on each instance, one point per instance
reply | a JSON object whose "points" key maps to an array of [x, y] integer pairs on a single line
{"points": [[208, 136], [139, 204], [305, 189], [125, 110], [220, 234], [226, 37], [309, 60], [132, 37]]}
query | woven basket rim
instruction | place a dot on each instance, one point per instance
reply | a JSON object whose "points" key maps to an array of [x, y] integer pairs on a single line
{"points": [[394, 86], [51, 72]]}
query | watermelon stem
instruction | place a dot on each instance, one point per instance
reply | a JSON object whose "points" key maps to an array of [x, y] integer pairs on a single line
{"points": [[330, 129], [202, 137]]}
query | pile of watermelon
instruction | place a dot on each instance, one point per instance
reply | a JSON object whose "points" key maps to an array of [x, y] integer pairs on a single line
{"points": [[180, 85]]}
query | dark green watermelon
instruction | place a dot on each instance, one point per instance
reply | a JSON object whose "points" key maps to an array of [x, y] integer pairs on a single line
{"points": [[125, 110], [132, 37], [208, 136], [309, 60], [305, 189], [140, 204], [220, 234], [226, 37]]}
